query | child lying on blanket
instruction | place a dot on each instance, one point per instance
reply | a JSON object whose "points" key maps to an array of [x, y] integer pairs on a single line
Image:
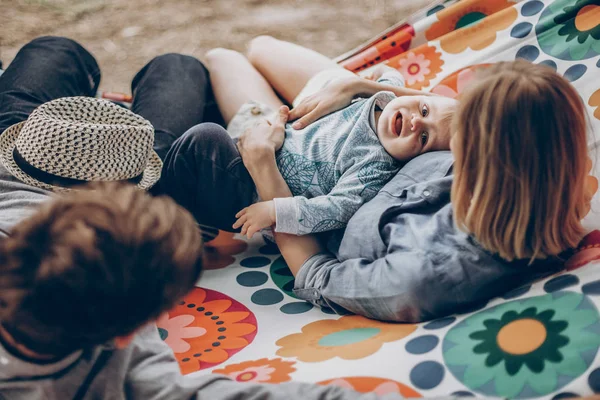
{"points": [[342, 160], [451, 231]]}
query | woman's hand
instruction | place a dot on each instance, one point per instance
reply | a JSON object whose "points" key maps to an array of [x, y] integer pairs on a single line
{"points": [[263, 140], [256, 217], [335, 96]]}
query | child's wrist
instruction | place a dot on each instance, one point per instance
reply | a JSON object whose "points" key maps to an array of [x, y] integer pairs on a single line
{"points": [[272, 211], [258, 157]]}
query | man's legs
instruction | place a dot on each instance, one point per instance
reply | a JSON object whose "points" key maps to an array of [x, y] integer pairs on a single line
{"points": [[45, 69], [204, 173], [171, 92]]}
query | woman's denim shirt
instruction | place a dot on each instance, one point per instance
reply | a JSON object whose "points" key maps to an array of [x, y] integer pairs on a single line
{"points": [[402, 258]]}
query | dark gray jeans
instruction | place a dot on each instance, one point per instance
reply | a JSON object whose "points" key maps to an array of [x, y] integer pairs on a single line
{"points": [[202, 169], [203, 172], [172, 91]]}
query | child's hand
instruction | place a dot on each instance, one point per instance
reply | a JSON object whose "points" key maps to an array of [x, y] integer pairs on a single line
{"points": [[378, 72], [264, 135], [256, 217]]}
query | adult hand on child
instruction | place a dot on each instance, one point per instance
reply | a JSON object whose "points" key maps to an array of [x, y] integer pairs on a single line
{"points": [[263, 139], [256, 217], [335, 96], [378, 72]]}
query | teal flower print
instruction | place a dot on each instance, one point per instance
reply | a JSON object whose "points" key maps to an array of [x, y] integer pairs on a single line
{"points": [[570, 30], [525, 348]]}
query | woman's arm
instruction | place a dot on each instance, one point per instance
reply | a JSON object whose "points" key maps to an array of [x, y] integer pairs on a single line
{"points": [[366, 88], [340, 94]]}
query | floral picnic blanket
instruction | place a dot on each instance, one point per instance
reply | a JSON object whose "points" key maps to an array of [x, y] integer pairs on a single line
{"points": [[538, 341]]}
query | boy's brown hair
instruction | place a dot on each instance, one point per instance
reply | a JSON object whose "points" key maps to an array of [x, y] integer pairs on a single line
{"points": [[94, 265], [520, 149]]}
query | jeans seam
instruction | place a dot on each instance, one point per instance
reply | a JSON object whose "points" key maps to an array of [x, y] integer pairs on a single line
{"points": [[233, 163]]}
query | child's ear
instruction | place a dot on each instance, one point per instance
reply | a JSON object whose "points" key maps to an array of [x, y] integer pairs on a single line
{"points": [[122, 342]]}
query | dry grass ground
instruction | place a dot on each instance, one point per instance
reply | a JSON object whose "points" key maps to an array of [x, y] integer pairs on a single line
{"points": [[124, 35]]}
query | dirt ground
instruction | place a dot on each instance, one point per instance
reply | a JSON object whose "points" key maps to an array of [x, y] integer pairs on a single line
{"points": [[125, 34]]}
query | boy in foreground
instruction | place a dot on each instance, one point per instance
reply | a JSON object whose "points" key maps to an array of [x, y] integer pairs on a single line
{"points": [[81, 283]]}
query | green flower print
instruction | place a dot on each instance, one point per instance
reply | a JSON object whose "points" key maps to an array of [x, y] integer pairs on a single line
{"points": [[525, 348], [543, 344], [570, 30]]}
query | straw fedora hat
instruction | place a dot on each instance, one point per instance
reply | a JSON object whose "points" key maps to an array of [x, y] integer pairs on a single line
{"points": [[74, 140]]}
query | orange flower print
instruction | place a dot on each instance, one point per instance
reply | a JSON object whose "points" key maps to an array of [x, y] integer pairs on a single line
{"points": [[264, 370], [418, 66], [379, 386], [227, 327], [174, 330], [414, 68], [454, 84], [594, 101], [350, 338], [219, 251], [393, 43], [471, 24]]}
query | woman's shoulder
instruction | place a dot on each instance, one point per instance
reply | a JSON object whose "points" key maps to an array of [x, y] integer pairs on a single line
{"points": [[428, 166], [427, 177], [469, 275]]}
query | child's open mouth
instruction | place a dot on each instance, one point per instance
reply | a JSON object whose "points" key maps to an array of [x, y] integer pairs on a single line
{"points": [[398, 124]]}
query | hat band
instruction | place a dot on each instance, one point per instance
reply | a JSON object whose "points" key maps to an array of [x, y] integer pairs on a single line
{"points": [[56, 180]]}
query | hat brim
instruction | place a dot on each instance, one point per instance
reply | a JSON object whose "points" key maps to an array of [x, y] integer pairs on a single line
{"points": [[8, 138]]}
